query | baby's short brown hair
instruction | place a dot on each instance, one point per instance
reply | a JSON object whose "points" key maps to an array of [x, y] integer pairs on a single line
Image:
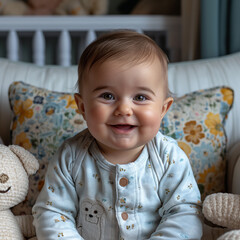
{"points": [[125, 46]]}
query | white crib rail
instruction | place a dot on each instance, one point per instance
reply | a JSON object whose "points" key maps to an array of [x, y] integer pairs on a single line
{"points": [[87, 26], [39, 48], [12, 45], [64, 49]]}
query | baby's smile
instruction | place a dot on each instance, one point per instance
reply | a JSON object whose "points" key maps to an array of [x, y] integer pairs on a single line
{"points": [[123, 128]]}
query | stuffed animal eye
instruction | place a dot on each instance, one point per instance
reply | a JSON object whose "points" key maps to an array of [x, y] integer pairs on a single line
{"points": [[95, 211], [3, 178], [86, 209]]}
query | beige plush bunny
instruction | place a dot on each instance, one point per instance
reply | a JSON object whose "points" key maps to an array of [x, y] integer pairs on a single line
{"points": [[223, 209], [16, 164]]}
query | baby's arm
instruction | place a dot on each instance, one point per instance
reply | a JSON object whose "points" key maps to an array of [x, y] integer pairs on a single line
{"points": [[56, 207], [181, 207]]}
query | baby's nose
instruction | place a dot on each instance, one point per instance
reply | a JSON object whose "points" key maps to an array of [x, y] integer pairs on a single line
{"points": [[3, 178], [123, 109]]}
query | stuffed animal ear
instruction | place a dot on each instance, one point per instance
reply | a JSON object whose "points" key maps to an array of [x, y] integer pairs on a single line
{"points": [[223, 209], [30, 163]]}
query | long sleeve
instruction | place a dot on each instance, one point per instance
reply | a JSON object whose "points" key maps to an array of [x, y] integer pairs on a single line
{"points": [[167, 208], [181, 203], [56, 207]]}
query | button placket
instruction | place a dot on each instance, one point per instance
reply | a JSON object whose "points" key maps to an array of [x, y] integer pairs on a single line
{"points": [[126, 201]]}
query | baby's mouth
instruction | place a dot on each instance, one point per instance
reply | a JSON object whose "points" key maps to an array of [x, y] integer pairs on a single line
{"points": [[5, 191], [123, 126]]}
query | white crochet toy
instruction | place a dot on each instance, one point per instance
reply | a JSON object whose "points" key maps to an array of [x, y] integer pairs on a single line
{"points": [[223, 209], [16, 164]]}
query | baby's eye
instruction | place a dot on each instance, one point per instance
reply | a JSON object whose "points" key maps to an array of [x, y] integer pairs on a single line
{"points": [[107, 96], [140, 98]]}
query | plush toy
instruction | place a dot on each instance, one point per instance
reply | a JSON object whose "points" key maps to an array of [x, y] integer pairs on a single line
{"points": [[53, 7], [13, 7], [16, 164], [223, 209], [82, 7], [42, 7], [29, 7]]}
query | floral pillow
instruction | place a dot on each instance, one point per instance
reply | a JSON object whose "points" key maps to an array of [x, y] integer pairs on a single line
{"points": [[42, 121], [196, 121]]}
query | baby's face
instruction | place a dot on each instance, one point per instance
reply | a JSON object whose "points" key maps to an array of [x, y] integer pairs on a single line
{"points": [[124, 106]]}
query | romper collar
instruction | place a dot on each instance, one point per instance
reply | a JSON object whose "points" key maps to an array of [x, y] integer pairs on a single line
{"points": [[132, 166]]}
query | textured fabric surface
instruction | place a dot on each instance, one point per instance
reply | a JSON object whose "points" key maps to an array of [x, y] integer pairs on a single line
{"points": [[26, 224], [42, 120], [223, 209], [14, 187], [231, 235], [9, 229], [197, 121]]}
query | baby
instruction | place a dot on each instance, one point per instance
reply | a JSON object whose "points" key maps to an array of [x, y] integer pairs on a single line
{"points": [[120, 178]]}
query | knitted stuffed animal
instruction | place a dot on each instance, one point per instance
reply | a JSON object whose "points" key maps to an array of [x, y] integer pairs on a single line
{"points": [[16, 164], [223, 209]]}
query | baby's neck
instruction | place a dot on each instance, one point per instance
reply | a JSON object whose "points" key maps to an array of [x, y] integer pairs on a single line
{"points": [[122, 157]]}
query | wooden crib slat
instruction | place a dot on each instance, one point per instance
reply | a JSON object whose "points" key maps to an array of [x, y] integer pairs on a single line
{"points": [[64, 49], [12, 46], [39, 48]]}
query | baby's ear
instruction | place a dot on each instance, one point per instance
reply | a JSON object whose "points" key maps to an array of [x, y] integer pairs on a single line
{"points": [[79, 102], [166, 105]]}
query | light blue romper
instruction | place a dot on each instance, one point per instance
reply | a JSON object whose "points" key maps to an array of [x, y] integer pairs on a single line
{"points": [[86, 197]]}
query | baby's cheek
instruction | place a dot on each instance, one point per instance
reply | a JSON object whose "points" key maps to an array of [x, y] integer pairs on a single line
{"points": [[97, 114], [150, 117]]}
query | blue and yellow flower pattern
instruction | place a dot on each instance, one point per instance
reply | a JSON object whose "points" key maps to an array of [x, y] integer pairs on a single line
{"points": [[42, 120], [196, 121]]}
